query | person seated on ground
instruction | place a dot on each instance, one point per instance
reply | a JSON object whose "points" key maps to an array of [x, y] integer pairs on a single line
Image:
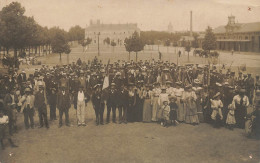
{"points": [[4, 133], [216, 105]]}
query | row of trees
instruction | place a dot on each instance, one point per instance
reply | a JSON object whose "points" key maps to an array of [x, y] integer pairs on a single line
{"points": [[21, 33]]}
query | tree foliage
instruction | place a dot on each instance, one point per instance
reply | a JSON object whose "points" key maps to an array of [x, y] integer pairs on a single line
{"points": [[59, 41], [76, 33], [134, 43], [210, 41]]}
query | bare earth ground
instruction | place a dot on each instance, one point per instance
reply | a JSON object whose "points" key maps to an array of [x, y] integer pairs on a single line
{"points": [[132, 142]]}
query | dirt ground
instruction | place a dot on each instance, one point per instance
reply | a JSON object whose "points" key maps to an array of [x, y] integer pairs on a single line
{"points": [[132, 142]]}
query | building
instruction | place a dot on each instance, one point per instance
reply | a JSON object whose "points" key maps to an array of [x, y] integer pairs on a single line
{"points": [[115, 32], [238, 36]]}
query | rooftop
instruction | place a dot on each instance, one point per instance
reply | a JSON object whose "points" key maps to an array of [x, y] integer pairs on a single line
{"points": [[241, 28]]}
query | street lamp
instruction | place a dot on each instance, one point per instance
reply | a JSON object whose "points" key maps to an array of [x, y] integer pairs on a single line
{"points": [[98, 43]]}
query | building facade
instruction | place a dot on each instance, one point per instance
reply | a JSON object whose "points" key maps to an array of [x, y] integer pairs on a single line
{"points": [[238, 36], [115, 32]]}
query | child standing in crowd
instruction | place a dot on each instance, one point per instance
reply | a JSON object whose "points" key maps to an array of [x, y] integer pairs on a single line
{"points": [[173, 113], [216, 105], [231, 121], [164, 114]]}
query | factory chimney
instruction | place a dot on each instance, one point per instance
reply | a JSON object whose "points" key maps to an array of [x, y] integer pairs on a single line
{"points": [[191, 23]]}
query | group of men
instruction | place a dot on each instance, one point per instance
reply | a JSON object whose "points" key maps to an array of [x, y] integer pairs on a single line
{"points": [[108, 85]]}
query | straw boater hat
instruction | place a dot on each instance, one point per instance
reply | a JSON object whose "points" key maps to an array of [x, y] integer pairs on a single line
{"points": [[168, 82], [216, 95], [242, 90], [97, 85], [178, 83], [197, 81], [27, 90], [163, 88]]}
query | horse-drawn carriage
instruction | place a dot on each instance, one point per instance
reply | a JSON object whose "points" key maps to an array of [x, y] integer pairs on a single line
{"points": [[205, 53]]}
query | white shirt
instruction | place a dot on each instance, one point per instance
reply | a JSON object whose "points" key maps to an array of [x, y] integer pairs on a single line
{"points": [[81, 96], [4, 120], [237, 99]]}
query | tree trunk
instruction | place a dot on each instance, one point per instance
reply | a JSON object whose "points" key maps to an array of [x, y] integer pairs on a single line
{"points": [[129, 57], [60, 56], [40, 50], [136, 56], [188, 56]]}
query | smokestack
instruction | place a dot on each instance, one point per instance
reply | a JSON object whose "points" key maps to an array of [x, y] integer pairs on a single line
{"points": [[191, 23]]}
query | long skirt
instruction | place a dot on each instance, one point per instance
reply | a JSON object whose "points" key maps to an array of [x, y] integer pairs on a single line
{"points": [[240, 113], [181, 110], [191, 112], [139, 109], [155, 108], [147, 111], [199, 110]]}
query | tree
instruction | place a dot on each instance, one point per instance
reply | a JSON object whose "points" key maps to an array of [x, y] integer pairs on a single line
{"points": [[16, 29], [195, 42], [107, 41], [59, 42], [85, 43], [113, 44], [128, 46], [209, 42], [76, 33], [187, 49], [136, 44]]}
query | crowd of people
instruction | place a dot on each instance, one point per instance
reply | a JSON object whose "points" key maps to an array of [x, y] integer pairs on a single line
{"points": [[144, 91]]}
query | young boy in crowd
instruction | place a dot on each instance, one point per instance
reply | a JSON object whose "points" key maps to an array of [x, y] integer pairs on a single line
{"points": [[165, 114], [216, 105], [4, 133], [173, 113]]}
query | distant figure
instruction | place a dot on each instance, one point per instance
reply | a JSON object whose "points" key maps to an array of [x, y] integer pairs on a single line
{"points": [[79, 62], [232, 52], [160, 55], [179, 53]]}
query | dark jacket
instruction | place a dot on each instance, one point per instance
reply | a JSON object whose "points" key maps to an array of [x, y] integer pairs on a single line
{"points": [[63, 101]]}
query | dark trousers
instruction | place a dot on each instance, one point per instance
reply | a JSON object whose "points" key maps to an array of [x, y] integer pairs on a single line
{"points": [[122, 113], [99, 111], [66, 111], [52, 112], [43, 116], [113, 107], [28, 115]]}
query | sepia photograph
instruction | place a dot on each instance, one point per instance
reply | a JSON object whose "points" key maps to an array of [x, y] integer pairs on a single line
{"points": [[129, 81]]}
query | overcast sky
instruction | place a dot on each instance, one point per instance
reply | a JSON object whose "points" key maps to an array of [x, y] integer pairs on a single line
{"points": [[148, 14]]}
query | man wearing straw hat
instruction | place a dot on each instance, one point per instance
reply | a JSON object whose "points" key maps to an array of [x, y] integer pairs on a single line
{"points": [[27, 103]]}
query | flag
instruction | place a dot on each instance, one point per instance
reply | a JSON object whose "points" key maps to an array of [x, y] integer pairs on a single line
{"points": [[105, 83]]}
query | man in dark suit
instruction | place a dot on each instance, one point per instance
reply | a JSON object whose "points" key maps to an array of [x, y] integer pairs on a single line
{"points": [[40, 102], [63, 104], [112, 102], [98, 103], [123, 104]]}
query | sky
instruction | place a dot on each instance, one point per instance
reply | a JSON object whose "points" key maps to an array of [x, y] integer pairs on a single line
{"points": [[148, 14]]}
